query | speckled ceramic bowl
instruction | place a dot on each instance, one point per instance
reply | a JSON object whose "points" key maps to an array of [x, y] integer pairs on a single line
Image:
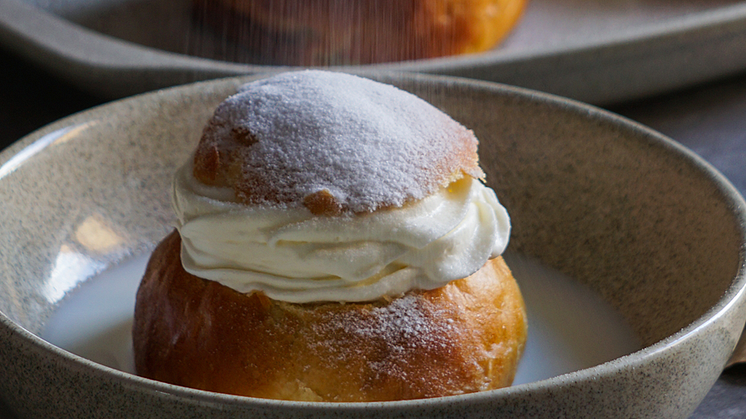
{"points": [[644, 223]]}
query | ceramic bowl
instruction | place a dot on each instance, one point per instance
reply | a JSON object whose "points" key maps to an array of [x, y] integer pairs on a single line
{"points": [[640, 221]]}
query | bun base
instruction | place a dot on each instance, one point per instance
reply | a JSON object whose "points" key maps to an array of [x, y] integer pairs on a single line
{"points": [[465, 337]]}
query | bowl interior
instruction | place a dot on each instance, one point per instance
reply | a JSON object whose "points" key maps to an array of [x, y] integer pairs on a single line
{"points": [[609, 203]]}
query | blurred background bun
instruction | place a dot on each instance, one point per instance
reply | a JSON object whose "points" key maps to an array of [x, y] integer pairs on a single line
{"points": [[342, 32]]}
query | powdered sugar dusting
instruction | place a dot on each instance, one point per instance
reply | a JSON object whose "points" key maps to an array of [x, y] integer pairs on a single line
{"points": [[397, 340], [367, 143], [404, 321]]}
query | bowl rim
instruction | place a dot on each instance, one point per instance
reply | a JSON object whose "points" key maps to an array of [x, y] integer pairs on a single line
{"points": [[734, 295]]}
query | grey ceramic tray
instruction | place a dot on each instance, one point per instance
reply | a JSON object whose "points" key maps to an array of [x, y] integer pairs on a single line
{"points": [[595, 51]]}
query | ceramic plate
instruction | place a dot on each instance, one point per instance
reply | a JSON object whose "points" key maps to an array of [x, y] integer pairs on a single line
{"points": [[595, 51]]}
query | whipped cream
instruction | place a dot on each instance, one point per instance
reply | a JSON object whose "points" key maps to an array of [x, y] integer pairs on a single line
{"points": [[295, 256]]}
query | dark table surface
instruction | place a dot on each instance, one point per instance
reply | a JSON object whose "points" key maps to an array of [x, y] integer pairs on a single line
{"points": [[710, 119]]}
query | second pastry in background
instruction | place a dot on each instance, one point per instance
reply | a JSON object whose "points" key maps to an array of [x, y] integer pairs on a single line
{"points": [[344, 32]]}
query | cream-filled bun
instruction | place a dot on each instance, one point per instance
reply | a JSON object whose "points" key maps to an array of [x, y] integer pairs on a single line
{"points": [[335, 243]]}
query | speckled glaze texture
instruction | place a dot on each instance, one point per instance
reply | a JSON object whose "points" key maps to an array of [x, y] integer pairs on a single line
{"points": [[645, 223]]}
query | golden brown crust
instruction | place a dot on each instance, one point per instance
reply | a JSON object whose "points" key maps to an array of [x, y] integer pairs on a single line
{"points": [[342, 32], [465, 337]]}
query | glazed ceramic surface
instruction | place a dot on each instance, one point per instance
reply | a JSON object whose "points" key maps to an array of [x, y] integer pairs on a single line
{"points": [[595, 51], [644, 223]]}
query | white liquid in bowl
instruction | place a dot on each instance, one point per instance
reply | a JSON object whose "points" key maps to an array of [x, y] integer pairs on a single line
{"points": [[570, 327]]}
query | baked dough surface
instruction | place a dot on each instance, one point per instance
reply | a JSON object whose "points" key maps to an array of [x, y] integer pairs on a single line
{"points": [[332, 142], [464, 337]]}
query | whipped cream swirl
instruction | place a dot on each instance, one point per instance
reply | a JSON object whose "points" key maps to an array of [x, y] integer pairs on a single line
{"points": [[295, 256]]}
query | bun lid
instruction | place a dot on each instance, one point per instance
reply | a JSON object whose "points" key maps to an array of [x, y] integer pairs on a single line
{"points": [[332, 142]]}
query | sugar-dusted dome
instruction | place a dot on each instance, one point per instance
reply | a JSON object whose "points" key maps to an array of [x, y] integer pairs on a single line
{"points": [[333, 142]]}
